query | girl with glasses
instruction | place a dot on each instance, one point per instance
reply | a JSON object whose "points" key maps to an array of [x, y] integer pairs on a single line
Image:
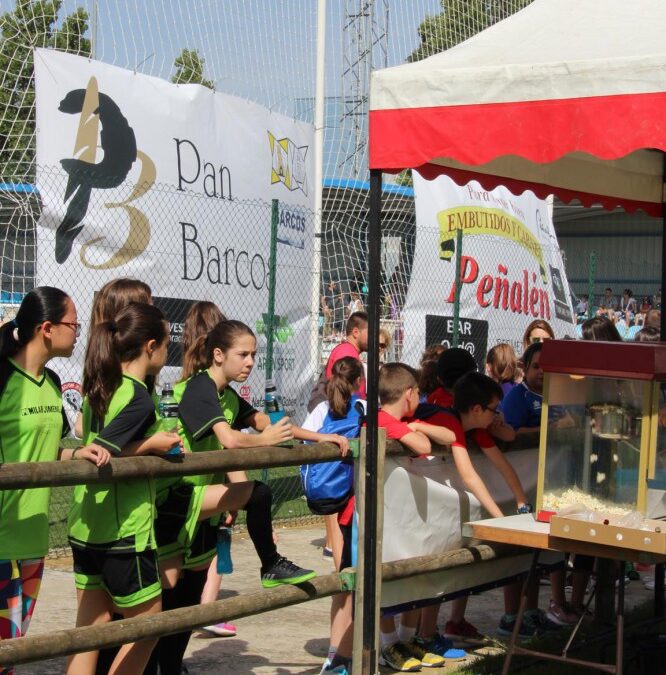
{"points": [[33, 421]]}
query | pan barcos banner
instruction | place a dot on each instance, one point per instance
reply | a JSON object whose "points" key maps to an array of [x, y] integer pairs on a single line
{"points": [[172, 184], [511, 269]]}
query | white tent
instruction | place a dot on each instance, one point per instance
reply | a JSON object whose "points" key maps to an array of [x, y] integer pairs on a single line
{"points": [[565, 97]]}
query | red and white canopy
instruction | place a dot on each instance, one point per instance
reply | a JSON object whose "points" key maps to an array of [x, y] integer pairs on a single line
{"points": [[564, 97]]}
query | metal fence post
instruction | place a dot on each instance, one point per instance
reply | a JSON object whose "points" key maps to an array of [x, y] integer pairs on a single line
{"points": [[590, 284], [270, 316], [457, 290]]}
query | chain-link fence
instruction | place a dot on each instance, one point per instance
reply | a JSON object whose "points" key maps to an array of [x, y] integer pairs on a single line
{"points": [[220, 253], [264, 52]]}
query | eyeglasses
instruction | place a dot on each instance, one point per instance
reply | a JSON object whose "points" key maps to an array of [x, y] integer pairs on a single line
{"points": [[494, 410], [534, 340], [72, 324]]}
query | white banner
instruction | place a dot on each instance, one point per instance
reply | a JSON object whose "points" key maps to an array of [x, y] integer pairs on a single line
{"points": [[172, 184], [511, 269]]}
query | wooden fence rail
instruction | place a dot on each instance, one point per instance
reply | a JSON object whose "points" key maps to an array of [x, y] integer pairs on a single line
{"points": [[74, 640], [37, 474]]}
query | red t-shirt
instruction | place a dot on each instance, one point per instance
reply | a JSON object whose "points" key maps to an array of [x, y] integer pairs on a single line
{"points": [[339, 352], [441, 397], [444, 399], [395, 428]]}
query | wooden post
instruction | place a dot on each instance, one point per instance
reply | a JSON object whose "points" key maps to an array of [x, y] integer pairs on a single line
{"points": [[359, 597], [604, 599], [361, 659]]}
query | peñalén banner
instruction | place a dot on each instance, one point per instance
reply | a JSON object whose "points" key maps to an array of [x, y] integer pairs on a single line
{"points": [[511, 269]]}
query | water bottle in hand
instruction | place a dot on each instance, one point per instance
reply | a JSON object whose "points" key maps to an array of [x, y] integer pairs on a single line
{"points": [[224, 564], [168, 411], [272, 404]]}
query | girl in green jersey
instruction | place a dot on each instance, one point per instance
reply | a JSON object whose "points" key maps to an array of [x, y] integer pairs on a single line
{"points": [[32, 421], [210, 415], [111, 525]]}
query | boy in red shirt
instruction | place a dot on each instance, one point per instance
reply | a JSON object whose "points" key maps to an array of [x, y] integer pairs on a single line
{"points": [[475, 401], [451, 366], [399, 398]]}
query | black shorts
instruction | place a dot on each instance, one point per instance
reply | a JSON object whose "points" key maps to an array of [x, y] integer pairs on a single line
{"points": [[172, 514], [178, 531], [130, 578], [346, 558]]}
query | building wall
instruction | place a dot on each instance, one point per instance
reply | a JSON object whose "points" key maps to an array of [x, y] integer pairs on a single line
{"points": [[627, 248]]}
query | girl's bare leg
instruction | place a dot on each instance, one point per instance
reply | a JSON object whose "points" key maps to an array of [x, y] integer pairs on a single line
{"points": [[94, 607], [133, 657]]}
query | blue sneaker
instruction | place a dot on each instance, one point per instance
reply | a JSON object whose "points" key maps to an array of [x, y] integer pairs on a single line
{"points": [[340, 670], [443, 647]]}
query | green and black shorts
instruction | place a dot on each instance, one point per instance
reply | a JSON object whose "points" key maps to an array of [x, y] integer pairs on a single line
{"points": [[129, 577]]}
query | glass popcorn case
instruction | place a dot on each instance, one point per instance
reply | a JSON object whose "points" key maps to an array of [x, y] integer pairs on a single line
{"points": [[603, 436]]}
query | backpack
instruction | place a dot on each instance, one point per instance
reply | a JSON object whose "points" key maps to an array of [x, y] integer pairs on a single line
{"points": [[328, 486], [426, 410]]}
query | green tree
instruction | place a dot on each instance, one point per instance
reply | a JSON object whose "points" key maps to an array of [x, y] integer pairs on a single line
{"points": [[32, 23], [189, 69], [460, 20]]}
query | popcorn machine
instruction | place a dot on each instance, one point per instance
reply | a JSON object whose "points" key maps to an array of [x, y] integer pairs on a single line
{"points": [[602, 445]]}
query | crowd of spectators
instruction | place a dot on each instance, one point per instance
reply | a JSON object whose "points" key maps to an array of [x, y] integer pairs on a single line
{"points": [[629, 315]]}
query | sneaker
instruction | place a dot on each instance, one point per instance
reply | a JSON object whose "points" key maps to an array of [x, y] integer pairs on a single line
{"points": [[541, 623], [284, 571], [223, 629], [463, 633], [506, 626], [442, 646], [340, 670], [562, 616], [399, 657], [428, 659], [327, 552]]}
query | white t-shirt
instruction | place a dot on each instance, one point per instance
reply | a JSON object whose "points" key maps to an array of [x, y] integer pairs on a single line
{"points": [[629, 304]]}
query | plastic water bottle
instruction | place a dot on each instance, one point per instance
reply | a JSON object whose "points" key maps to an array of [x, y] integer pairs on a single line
{"points": [[168, 410], [272, 405], [224, 564]]}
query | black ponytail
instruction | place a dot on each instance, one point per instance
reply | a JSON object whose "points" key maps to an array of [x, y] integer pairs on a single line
{"points": [[44, 303]]}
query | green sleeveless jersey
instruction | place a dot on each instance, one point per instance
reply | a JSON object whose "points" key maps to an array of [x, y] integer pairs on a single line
{"points": [[116, 515], [32, 422]]}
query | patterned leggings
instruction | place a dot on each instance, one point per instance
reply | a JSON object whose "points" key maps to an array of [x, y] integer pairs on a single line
{"points": [[19, 586]]}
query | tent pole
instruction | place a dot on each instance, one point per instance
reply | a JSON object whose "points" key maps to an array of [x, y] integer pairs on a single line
{"points": [[662, 326], [370, 543]]}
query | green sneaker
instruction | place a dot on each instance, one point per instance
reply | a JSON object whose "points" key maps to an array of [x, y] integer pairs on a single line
{"points": [[284, 571], [399, 657]]}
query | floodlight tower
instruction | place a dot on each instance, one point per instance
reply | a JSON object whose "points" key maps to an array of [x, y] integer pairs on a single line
{"points": [[365, 45]]}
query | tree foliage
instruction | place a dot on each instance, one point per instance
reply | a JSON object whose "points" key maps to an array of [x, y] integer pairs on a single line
{"points": [[32, 23], [460, 20], [190, 69]]}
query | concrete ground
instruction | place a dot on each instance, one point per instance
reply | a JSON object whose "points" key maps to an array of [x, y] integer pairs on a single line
{"points": [[291, 640]]}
